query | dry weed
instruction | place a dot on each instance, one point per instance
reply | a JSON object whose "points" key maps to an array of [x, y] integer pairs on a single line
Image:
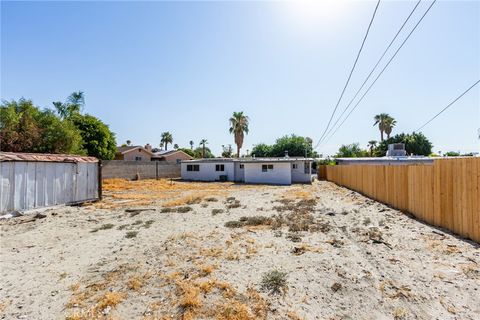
{"points": [[110, 299], [233, 310], [400, 313], [389, 289]]}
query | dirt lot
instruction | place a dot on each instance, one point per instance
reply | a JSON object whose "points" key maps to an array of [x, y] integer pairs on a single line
{"points": [[177, 250]]}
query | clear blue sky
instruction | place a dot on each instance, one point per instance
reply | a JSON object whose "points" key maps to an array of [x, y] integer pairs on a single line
{"points": [[184, 67]]}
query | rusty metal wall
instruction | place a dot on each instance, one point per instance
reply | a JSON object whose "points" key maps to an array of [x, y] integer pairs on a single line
{"points": [[26, 185]]}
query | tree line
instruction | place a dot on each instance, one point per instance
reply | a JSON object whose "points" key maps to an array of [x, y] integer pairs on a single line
{"points": [[416, 143], [25, 127]]}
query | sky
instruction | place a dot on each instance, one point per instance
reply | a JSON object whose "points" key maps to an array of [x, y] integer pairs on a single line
{"points": [[185, 67]]}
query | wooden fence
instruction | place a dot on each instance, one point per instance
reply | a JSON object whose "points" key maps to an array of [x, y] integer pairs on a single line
{"points": [[445, 193]]}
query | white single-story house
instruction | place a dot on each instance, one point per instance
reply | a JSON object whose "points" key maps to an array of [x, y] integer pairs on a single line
{"points": [[284, 171]]}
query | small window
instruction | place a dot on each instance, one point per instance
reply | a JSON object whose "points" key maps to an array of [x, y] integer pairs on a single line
{"points": [[193, 167], [179, 160], [267, 167], [138, 158], [295, 166], [241, 165], [220, 167]]}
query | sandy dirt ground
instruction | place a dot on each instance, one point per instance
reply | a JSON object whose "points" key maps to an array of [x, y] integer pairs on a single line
{"points": [[179, 250]]}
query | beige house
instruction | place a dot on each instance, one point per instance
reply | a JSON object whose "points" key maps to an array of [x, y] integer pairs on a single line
{"points": [[171, 156], [139, 153], [134, 153]]}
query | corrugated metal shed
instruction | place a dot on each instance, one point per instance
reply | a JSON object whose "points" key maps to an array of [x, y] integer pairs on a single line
{"points": [[30, 180]]}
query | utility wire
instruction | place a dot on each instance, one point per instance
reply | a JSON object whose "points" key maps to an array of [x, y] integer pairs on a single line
{"points": [[350, 75], [449, 105], [381, 72], [374, 68]]}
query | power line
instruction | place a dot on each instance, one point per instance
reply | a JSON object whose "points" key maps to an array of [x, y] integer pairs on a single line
{"points": [[374, 68], [350, 75], [449, 105], [381, 72]]}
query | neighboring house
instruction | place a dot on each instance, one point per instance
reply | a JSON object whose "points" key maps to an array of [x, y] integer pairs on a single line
{"points": [[134, 153], [171, 155], [283, 171]]}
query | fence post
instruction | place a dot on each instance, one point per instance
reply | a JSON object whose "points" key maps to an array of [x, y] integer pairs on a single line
{"points": [[99, 179], [156, 170]]}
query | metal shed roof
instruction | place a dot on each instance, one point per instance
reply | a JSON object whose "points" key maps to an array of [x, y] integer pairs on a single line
{"points": [[44, 157]]}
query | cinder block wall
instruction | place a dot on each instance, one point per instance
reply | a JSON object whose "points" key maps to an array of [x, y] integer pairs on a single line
{"points": [[145, 169]]}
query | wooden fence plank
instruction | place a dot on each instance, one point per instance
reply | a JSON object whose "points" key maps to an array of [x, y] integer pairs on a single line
{"points": [[445, 194]]}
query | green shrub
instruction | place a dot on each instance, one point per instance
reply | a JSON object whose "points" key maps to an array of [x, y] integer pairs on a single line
{"points": [[274, 282], [234, 224], [104, 227], [217, 211], [131, 234]]}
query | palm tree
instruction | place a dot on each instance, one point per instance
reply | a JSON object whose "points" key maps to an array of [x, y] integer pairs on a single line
{"points": [[371, 145], [191, 144], [238, 126], [74, 105], [389, 124], [380, 119], [129, 142], [76, 99], [166, 139], [203, 142]]}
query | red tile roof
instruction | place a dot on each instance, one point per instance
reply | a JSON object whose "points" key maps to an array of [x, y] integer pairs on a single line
{"points": [[44, 157]]}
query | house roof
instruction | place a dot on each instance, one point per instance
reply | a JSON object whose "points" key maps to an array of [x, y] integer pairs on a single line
{"points": [[44, 157], [164, 153], [126, 149], [250, 160]]}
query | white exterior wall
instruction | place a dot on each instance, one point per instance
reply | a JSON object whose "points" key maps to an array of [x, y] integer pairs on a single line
{"points": [[239, 172], [207, 171], [281, 173], [299, 175], [27, 185]]}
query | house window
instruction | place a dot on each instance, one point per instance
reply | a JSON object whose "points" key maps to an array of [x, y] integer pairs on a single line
{"points": [[179, 160], [220, 167], [193, 167], [295, 166], [241, 165], [267, 167], [138, 158]]}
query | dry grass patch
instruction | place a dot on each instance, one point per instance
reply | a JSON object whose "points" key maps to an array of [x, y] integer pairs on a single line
{"points": [[302, 248], [233, 310], [211, 252], [186, 200], [392, 290], [122, 193], [205, 270], [135, 283], [399, 313], [110, 299]]}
